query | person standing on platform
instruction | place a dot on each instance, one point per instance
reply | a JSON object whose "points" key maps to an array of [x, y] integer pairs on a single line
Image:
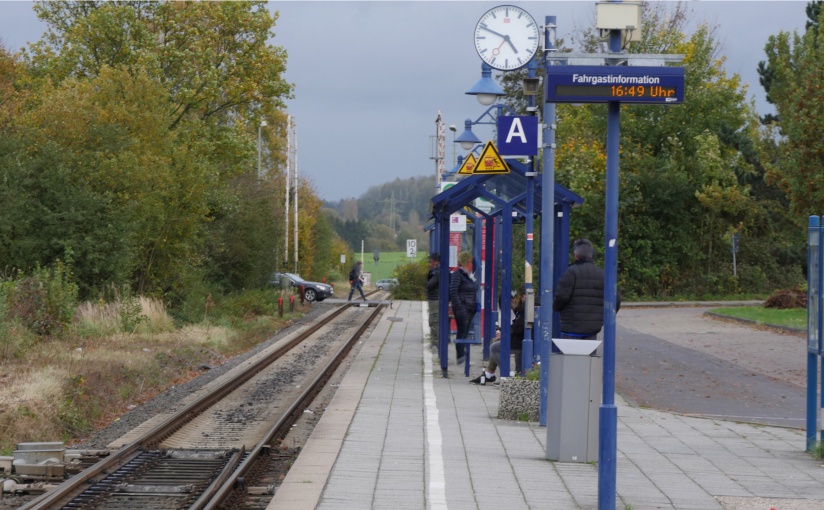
{"points": [[356, 281], [433, 276], [580, 295], [463, 290]]}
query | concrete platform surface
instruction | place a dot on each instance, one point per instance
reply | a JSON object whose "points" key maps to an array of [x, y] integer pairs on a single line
{"points": [[399, 436]]}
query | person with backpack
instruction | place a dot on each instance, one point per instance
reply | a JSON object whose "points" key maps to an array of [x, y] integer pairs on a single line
{"points": [[356, 281]]}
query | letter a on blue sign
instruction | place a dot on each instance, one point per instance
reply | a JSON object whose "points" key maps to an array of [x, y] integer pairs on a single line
{"points": [[518, 136]]}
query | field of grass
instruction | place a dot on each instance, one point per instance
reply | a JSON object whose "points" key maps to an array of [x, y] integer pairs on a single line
{"points": [[789, 318], [387, 262]]}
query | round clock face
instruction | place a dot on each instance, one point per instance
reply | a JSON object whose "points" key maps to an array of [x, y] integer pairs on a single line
{"points": [[506, 37]]}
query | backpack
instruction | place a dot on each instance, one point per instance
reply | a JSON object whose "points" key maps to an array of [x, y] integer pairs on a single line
{"points": [[353, 274]]}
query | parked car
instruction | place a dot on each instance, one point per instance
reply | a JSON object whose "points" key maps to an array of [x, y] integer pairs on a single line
{"points": [[386, 283], [313, 291]]}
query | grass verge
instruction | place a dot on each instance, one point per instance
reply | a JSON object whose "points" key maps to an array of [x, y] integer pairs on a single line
{"points": [[794, 318], [64, 388]]}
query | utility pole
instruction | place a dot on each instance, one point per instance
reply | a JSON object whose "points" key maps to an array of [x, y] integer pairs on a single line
{"points": [[286, 194], [295, 202]]}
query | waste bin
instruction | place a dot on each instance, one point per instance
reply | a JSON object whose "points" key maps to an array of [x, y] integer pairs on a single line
{"points": [[573, 398]]}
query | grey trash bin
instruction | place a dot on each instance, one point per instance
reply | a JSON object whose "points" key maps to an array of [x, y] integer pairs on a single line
{"points": [[573, 398]]}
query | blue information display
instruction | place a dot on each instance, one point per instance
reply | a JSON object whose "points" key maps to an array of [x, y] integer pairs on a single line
{"points": [[628, 84]]}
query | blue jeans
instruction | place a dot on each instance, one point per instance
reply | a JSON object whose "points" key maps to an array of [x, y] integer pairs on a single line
{"points": [[462, 324], [356, 284]]}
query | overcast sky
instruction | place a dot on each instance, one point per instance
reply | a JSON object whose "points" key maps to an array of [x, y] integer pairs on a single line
{"points": [[371, 77]]}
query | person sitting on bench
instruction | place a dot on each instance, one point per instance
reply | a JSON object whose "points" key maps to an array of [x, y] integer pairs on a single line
{"points": [[516, 339]]}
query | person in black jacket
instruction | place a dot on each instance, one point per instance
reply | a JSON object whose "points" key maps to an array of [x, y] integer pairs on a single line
{"points": [[432, 295], [516, 340], [580, 295], [356, 281], [463, 289]]}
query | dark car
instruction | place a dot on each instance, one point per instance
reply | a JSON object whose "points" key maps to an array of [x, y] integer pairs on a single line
{"points": [[313, 291]]}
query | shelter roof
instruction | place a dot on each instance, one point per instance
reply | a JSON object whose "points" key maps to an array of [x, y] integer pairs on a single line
{"points": [[498, 190]]}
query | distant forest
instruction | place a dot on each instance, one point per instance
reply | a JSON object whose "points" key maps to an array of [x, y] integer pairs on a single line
{"points": [[385, 216]]}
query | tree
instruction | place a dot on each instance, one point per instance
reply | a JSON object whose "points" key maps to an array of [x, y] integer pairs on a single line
{"points": [[127, 197], [793, 81], [212, 57], [686, 171], [163, 100]]}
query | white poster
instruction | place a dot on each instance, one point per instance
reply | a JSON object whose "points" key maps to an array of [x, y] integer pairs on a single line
{"points": [[458, 222]]}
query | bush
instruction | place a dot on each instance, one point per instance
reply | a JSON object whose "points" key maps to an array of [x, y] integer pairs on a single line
{"points": [[43, 302], [411, 279]]}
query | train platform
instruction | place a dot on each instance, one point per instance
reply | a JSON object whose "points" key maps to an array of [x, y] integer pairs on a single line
{"points": [[399, 436]]}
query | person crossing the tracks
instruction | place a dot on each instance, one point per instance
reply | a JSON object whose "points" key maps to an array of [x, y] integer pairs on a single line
{"points": [[356, 281]]}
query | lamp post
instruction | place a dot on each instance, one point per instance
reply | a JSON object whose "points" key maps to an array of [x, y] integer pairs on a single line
{"points": [[486, 89], [261, 125], [453, 129], [467, 139]]}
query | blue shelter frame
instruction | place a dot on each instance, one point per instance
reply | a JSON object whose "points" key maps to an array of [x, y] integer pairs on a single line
{"points": [[508, 194]]}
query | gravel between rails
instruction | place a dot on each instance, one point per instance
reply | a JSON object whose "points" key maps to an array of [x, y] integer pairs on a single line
{"points": [[168, 399]]}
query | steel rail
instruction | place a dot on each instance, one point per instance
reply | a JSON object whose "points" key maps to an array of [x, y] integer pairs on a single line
{"points": [[282, 426], [68, 490]]}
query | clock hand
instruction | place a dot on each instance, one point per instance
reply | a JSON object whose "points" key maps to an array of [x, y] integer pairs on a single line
{"points": [[484, 27], [507, 38], [497, 49]]}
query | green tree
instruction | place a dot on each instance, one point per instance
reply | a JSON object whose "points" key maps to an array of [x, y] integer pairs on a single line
{"points": [[163, 100], [687, 172], [146, 188], [793, 81], [212, 57]]}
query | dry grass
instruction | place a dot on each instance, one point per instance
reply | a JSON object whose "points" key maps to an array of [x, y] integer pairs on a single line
{"points": [[108, 318], [60, 389]]}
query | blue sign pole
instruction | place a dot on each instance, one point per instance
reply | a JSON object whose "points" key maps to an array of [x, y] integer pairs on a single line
{"points": [[527, 342], [815, 250], [506, 286], [548, 198], [607, 411]]}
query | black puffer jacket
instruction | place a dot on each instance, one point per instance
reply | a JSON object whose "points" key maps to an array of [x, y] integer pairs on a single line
{"points": [[432, 284], [517, 330], [580, 298], [462, 293]]}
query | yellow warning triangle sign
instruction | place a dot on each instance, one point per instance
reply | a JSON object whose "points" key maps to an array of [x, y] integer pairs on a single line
{"points": [[490, 162], [468, 165]]}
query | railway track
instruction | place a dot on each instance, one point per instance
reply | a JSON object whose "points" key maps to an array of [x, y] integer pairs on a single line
{"points": [[222, 446]]}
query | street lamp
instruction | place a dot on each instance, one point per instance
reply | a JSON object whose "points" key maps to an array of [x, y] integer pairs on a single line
{"points": [[453, 129], [467, 139], [486, 89], [261, 125]]}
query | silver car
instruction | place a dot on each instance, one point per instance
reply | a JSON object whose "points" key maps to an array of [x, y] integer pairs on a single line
{"points": [[386, 283]]}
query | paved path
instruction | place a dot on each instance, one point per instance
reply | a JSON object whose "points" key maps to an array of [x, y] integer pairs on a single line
{"points": [[680, 359]]}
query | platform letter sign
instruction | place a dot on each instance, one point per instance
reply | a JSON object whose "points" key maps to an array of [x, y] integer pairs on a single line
{"points": [[518, 136], [411, 248]]}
